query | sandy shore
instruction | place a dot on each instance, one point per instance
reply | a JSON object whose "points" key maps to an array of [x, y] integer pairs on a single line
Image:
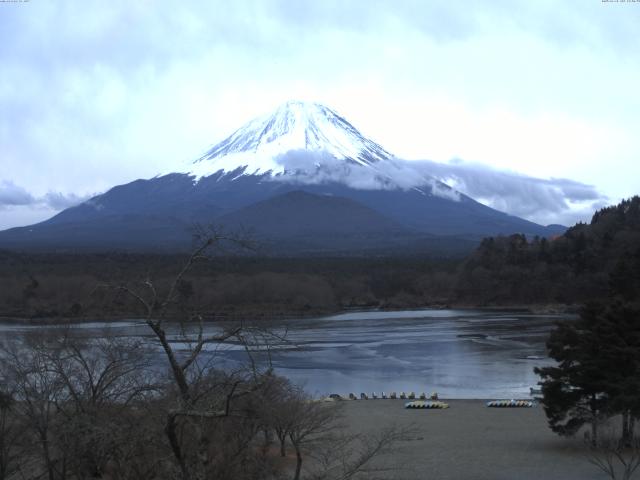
{"points": [[471, 441]]}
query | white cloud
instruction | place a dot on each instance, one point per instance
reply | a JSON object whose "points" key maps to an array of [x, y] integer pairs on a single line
{"points": [[102, 93], [545, 201], [19, 207], [12, 194]]}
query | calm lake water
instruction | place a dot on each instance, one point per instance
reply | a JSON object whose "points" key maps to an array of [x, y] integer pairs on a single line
{"points": [[457, 353]]}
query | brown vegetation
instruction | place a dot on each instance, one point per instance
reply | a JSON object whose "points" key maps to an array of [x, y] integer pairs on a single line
{"points": [[64, 286], [75, 408]]}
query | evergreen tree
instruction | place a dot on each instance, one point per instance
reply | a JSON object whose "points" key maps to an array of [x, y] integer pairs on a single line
{"points": [[573, 391], [598, 371], [619, 331]]}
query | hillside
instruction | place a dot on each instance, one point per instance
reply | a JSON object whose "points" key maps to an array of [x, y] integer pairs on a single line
{"points": [[587, 262], [363, 201]]}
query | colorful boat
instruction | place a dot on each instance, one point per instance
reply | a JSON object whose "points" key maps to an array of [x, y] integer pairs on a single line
{"points": [[510, 404], [425, 404]]}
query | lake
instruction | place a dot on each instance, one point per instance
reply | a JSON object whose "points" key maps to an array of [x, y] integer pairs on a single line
{"points": [[457, 353]]}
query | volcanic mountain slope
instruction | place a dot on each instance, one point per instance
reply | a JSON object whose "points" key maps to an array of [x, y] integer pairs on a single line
{"points": [[294, 126], [300, 213], [302, 172]]}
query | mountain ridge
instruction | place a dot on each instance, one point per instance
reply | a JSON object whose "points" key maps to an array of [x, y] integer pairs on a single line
{"points": [[294, 125], [231, 182]]}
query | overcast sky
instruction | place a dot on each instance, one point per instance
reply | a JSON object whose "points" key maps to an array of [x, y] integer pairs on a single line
{"points": [[539, 97]]}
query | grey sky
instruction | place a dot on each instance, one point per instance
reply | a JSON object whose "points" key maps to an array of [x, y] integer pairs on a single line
{"points": [[94, 94]]}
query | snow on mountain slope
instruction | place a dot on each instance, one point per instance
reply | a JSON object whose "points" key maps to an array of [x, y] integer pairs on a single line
{"points": [[303, 167], [295, 126]]}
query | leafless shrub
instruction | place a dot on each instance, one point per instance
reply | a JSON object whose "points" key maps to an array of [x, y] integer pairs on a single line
{"points": [[75, 397], [617, 459], [100, 408], [347, 457], [203, 405], [12, 438]]}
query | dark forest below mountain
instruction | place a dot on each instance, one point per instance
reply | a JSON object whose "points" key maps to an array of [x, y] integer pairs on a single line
{"points": [[588, 262]]}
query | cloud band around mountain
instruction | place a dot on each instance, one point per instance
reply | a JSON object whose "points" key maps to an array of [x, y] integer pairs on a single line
{"points": [[12, 195], [545, 201], [552, 200]]}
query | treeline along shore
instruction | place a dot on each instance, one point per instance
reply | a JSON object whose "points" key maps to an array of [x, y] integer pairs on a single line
{"points": [[586, 263]]}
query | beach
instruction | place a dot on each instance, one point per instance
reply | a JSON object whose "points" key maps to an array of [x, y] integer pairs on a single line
{"points": [[471, 441]]}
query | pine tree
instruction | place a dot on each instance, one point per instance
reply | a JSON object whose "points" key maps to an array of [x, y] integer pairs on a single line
{"points": [[598, 371], [573, 391], [619, 331]]}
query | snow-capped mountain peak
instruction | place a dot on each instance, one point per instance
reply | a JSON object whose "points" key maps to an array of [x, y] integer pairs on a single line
{"points": [[293, 126]]}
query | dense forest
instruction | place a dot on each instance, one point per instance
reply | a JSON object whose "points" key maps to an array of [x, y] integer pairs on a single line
{"points": [[51, 286], [588, 262]]}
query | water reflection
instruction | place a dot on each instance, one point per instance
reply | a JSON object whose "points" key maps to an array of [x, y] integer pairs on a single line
{"points": [[458, 353]]}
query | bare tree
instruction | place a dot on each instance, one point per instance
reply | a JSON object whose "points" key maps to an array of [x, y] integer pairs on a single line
{"points": [[617, 458], [203, 394], [280, 404], [99, 407], [107, 370], [286, 409], [313, 428], [11, 438], [73, 396], [37, 393], [311, 423], [346, 457], [295, 417], [102, 378]]}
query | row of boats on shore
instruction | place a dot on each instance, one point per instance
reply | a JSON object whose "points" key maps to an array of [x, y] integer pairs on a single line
{"points": [[493, 403], [431, 402], [384, 396]]}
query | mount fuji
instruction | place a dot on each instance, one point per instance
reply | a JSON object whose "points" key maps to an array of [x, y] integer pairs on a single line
{"points": [[302, 179], [308, 127]]}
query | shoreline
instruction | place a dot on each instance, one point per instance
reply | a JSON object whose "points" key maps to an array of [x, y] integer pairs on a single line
{"points": [[535, 309], [469, 441]]}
